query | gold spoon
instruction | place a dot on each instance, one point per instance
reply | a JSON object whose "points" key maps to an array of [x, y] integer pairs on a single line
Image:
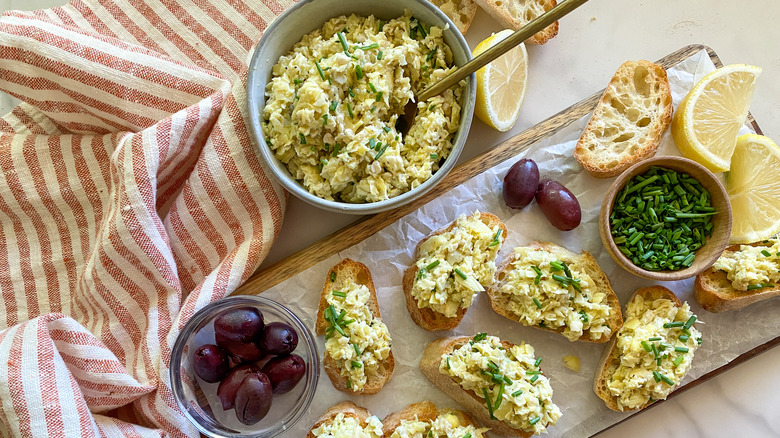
{"points": [[410, 110]]}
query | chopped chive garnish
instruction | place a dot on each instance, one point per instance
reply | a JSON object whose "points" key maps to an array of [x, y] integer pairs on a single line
{"points": [[432, 265], [646, 346], [538, 362], [655, 339], [489, 403], [461, 274], [532, 372], [343, 41], [357, 349], [379, 56], [356, 364], [534, 378], [678, 360], [479, 337], [496, 237], [372, 87], [674, 324], [535, 420], [681, 349], [302, 137], [333, 276], [656, 376], [297, 81], [381, 151], [516, 393], [339, 294], [319, 70], [584, 316], [538, 304], [350, 92], [358, 71], [369, 47], [349, 383], [448, 363], [690, 322], [349, 110], [430, 54], [434, 156], [666, 380], [386, 128], [467, 435], [379, 96], [698, 341], [325, 119], [372, 143], [333, 105], [684, 338], [499, 397], [766, 253]]}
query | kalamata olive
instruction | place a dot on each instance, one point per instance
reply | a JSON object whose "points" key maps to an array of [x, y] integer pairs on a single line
{"points": [[253, 398], [559, 205], [279, 338], [243, 325], [242, 352], [210, 363], [226, 391], [520, 183], [285, 372]]}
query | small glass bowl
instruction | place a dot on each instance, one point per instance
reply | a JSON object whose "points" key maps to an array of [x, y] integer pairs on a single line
{"points": [[198, 399]]}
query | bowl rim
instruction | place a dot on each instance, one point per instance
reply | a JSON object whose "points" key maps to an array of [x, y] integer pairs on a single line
{"points": [[639, 168], [208, 311], [282, 175]]}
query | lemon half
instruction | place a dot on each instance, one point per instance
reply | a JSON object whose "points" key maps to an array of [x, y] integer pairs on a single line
{"points": [[753, 185], [501, 84], [706, 122]]}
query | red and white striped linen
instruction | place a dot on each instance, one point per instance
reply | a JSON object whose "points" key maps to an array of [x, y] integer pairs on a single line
{"points": [[130, 197]]}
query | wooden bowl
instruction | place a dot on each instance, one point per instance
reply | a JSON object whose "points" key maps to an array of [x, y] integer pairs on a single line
{"points": [[713, 246]]}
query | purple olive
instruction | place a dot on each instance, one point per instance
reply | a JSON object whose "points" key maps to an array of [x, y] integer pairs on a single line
{"points": [[559, 205], [243, 325], [285, 372], [226, 391], [242, 352], [253, 398], [210, 363], [520, 183], [279, 338]]}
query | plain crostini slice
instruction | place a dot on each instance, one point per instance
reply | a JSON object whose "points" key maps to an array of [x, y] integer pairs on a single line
{"points": [[650, 354], [355, 362], [532, 288], [425, 419], [755, 269], [456, 277], [511, 372], [348, 416]]}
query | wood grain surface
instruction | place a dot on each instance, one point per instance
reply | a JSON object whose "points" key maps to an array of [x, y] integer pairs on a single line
{"points": [[369, 225]]}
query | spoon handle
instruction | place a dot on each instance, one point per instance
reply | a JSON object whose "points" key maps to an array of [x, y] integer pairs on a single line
{"points": [[502, 47]]}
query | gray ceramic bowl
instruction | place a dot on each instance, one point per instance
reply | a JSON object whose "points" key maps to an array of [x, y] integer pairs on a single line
{"points": [[309, 15]]}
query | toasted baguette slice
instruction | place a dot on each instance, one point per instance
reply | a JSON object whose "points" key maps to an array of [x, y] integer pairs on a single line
{"points": [[610, 359], [351, 271], [587, 263], [714, 293], [429, 365], [423, 411], [628, 122], [348, 408], [428, 318], [514, 14], [461, 12]]}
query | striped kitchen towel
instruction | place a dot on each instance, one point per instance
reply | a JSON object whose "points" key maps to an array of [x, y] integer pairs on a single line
{"points": [[130, 197]]}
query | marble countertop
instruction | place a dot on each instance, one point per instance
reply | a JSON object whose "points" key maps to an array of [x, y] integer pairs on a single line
{"points": [[592, 42]]}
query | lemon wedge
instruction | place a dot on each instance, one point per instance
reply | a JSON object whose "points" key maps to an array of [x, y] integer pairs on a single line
{"points": [[706, 122], [501, 84], [753, 185]]}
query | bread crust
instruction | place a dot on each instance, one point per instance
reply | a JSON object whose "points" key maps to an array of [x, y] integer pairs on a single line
{"points": [[359, 274], [610, 359], [586, 260], [422, 411], [714, 293], [501, 11], [429, 365], [348, 408], [603, 149], [461, 12], [426, 317]]}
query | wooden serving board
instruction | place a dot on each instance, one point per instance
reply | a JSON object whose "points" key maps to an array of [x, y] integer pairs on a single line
{"points": [[368, 226]]}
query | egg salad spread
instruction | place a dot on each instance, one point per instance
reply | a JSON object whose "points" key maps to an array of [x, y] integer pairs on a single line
{"points": [[751, 267], [553, 291], [356, 339], [455, 265], [349, 427], [446, 425], [656, 346], [508, 380], [333, 102]]}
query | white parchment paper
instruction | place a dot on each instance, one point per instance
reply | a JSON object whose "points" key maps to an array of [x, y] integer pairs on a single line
{"points": [[389, 252]]}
